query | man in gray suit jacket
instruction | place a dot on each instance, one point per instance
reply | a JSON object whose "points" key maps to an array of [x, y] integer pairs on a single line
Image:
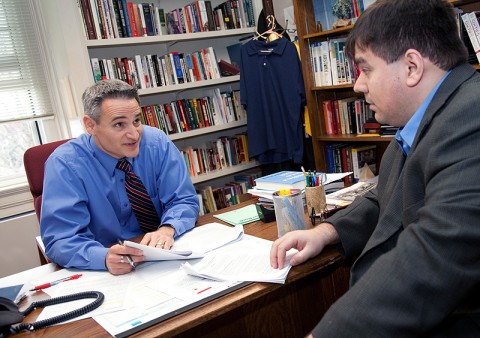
{"points": [[416, 238]]}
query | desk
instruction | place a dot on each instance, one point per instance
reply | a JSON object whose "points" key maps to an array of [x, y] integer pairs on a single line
{"points": [[256, 310]]}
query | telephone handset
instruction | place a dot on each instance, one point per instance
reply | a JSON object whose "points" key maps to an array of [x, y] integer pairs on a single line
{"points": [[11, 318]]}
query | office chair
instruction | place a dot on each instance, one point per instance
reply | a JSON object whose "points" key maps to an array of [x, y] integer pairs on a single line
{"points": [[34, 161]]}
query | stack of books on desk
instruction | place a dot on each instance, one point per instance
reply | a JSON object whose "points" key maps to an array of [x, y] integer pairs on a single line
{"points": [[267, 185]]}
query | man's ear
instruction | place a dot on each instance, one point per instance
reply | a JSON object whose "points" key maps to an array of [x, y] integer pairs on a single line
{"points": [[89, 124], [415, 67]]}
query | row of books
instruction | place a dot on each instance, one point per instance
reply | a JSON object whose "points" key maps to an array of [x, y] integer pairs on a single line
{"points": [[151, 71], [472, 26], [213, 199], [330, 65], [189, 114], [342, 157], [111, 19], [223, 153], [346, 116], [200, 16]]}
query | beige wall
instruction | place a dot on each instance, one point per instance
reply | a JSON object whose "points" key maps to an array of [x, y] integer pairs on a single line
{"points": [[17, 242]]}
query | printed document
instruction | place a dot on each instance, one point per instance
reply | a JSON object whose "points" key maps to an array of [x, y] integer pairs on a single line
{"points": [[193, 244], [245, 260]]}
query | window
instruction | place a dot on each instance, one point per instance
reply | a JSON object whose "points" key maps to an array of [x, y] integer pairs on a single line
{"points": [[24, 95]]}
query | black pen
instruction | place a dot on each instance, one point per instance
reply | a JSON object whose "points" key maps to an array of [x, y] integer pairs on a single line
{"points": [[129, 258]]}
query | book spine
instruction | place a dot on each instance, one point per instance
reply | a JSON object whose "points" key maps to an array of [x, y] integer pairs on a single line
{"points": [[148, 16], [126, 18], [141, 74], [96, 19], [210, 16], [88, 19], [178, 67], [132, 18], [119, 19], [473, 30], [142, 19]]}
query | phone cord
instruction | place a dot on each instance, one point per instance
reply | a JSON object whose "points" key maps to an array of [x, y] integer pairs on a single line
{"points": [[99, 298]]}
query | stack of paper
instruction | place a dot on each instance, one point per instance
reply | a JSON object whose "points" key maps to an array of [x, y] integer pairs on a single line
{"points": [[245, 260]]}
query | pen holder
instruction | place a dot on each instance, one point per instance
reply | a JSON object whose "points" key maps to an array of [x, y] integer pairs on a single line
{"points": [[289, 211], [316, 199]]}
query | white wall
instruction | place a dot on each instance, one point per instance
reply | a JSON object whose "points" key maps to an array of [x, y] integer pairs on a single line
{"points": [[17, 243]]}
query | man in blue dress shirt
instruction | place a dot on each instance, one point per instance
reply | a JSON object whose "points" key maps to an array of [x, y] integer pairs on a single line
{"points": [[85, 207]]}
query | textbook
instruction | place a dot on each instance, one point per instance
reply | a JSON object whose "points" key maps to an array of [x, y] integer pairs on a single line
{"points": [[281, 180]]}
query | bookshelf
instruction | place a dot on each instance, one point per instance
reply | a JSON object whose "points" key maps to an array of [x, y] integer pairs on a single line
{"points": [[316, 95], [183, 43]]}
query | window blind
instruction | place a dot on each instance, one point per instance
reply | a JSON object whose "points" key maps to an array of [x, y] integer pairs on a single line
{"points": [[23, 88]]}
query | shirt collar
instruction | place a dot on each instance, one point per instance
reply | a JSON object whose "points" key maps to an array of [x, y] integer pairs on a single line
{"points": [[264, 47], [406, 135], [107, 161]]}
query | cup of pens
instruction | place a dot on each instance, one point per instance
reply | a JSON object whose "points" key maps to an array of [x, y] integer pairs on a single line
{"points": [[315, 193], [289, 211]]}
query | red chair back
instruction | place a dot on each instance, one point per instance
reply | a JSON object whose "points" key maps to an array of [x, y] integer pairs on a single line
{"points": [[34, 162]]}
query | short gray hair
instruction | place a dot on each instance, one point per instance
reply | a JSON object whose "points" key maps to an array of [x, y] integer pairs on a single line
{"points": [[94, 95]]}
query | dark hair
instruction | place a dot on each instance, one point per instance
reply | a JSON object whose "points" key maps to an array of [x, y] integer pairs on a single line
{"points": [[388, 28], [94, 95]]}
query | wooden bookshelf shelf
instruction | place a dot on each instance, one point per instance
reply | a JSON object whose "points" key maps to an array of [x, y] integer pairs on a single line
{"points": [[329, 33], [337, 87]]}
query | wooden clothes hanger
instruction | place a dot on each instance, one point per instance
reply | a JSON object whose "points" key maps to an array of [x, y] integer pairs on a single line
{"points": [[270, 34]]}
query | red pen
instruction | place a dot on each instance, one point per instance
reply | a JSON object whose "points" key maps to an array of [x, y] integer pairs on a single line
{"points": [[47, 285]]}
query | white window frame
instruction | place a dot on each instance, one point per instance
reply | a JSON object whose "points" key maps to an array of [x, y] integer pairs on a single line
{"points": [[15, 196]]}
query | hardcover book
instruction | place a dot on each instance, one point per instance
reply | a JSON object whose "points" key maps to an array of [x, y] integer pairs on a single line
{"points": [[363, 157], [281, 180]]}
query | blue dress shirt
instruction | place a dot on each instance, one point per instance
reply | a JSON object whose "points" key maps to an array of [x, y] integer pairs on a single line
{"points": [[406, 135], [85, 205]]}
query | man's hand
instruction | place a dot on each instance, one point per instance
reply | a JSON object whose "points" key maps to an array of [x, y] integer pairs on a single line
{"points": [[309, 243], [162, 238], [117, 262]]}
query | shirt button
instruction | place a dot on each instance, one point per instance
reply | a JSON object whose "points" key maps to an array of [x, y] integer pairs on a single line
{"points": [[121, 180], [125, 205]]}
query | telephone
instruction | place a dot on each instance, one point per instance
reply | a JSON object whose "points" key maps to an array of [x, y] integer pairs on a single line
{"points": [[11, 318]]}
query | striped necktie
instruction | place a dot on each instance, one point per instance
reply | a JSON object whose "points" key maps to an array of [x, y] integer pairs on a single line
{"points": [[141, 202]]}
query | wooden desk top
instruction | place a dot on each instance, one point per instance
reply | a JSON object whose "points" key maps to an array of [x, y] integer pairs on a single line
{"points": [[208, 311]]}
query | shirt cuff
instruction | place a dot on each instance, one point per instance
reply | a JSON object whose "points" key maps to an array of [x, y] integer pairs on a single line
{"points": [[97, 258]]}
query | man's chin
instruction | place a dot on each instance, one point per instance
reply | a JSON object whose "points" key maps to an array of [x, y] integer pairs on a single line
{"points": [[131, 152]]}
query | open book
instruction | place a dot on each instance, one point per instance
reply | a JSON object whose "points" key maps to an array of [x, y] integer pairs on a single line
{"points": [[346, 196], [193, 244]]}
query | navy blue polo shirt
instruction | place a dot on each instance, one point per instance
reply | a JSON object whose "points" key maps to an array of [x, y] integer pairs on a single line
{"points": [[273, 94]]}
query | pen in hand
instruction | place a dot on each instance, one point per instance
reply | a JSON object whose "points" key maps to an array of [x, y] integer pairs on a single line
{"points": [[129, 258], [47, 285]]}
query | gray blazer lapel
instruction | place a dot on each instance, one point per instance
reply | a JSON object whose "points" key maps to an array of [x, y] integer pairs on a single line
{"points": [[391, 192]]}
